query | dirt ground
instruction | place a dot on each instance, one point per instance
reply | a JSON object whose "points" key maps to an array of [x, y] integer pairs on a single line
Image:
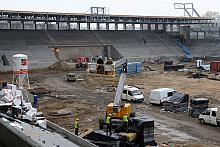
{"points": [[88, 97]]}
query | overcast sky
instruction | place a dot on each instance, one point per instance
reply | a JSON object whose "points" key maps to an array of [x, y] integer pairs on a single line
{"points": [[132, 7]]}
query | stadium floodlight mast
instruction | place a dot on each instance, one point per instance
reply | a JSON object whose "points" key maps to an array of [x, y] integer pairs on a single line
{"points": [[188, 9]]}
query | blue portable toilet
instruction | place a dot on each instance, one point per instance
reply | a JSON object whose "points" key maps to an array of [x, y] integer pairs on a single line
{"points": [[35, 104]]}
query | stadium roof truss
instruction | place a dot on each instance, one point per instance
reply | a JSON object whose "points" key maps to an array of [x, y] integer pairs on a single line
{"points": [[7, 15]]}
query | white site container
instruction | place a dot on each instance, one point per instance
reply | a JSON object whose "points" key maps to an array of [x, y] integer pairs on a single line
{"points": [[92, 67]]}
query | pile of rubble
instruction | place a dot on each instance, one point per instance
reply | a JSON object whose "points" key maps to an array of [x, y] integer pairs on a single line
{"points": [[14, 105]]}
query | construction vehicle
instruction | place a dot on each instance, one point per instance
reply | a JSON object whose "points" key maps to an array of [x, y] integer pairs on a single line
{"points": [[71, 77], [117, 109], [140, 130], [81, 62]]}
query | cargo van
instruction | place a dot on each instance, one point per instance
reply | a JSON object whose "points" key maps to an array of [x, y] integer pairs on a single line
{"points": [[161, 95], [132, 94]]}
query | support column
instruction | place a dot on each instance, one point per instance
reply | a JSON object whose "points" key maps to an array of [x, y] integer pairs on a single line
{"points": [[124, 27], [197, 35], [35, 25], [58, 26], [164, 27], [9, 25], [116, 26], [46, 25], [156, 27], [107, 26], [88, 26], [171, 28], [78, 26], [22, 23], [98, 26], [149, 27], [141, 26], [68, 25], [133, 26]]}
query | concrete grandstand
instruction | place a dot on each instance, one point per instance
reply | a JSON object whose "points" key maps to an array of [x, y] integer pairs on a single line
{"points": [[37, 44]]}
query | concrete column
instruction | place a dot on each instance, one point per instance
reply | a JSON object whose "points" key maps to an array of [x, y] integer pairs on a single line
{"points": [[171, 28], [149, 27], [156, 26], [141, 26], [197, 35], [35, 25], [78, 26], [124, 26], [107, 26], [68, 26], [88, 26], [9, 25], [58, 25], [116, 26], [97, 26], [164, 27], [22, 23], [133, 26], [46, 25]]}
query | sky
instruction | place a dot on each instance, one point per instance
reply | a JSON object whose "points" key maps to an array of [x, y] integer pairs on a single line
{"points": [[126, 7]]}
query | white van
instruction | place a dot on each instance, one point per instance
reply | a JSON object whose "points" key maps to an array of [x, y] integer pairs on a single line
{"points": [[158, 96], [132, 94], [210, 116]]}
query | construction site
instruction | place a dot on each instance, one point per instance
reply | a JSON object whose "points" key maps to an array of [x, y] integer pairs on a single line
{"points": [[162, 73]]}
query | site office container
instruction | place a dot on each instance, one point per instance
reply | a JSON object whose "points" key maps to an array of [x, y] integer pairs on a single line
{"points": [[215, 66]]}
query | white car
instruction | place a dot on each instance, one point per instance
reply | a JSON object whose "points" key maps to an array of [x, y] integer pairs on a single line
{"points": [[132, 94]]}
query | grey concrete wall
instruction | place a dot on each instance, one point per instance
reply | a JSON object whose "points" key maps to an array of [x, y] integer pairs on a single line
{"points": [[76, 139], [66, 53], [13, 138]]}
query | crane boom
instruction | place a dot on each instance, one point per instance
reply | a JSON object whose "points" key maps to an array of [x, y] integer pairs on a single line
{"points": [[117, 100]]}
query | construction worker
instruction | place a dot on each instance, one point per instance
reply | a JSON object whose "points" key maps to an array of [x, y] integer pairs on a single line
{"points": [[76, 126], [125, 122], [109, 123]]}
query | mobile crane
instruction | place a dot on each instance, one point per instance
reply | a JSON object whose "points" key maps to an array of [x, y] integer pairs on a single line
{"points": [[116, 109], [140, 131]]}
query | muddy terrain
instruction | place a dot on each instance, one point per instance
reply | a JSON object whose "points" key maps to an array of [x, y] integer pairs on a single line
{"points": [[88, 97]]}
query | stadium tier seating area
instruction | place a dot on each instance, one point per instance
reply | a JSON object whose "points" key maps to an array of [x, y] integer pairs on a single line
{"points": [[137, 43]]}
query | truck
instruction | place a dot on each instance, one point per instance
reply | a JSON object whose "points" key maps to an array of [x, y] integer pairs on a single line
{"points": [[210, 116], [161, 95], [71, 77]]}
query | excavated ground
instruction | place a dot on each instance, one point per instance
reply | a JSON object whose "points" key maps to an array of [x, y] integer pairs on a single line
{"points": [[88, 97]]}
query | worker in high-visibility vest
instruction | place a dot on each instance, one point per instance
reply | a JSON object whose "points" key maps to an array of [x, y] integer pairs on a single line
{"points": [[76, 126], [108, 122], [125, 122]]}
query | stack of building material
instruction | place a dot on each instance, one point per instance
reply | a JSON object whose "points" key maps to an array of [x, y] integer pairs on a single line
{"points": [[177, 103], [198, 106]]}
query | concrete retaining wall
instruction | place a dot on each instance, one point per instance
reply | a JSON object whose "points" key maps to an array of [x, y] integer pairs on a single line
{"points": [[76, 139], [13, 138]]}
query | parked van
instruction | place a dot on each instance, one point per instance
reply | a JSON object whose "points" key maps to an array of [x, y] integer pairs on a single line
{"points": [[158, 96], [210, 116], [132, 94]]}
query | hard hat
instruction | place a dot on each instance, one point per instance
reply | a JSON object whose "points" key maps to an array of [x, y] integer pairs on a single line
{"points": [[77, 119], [109, 114], [126, 113]]}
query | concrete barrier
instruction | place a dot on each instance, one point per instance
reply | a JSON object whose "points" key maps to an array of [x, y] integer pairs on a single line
{"points": [[12, 137], [76, 139]]}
